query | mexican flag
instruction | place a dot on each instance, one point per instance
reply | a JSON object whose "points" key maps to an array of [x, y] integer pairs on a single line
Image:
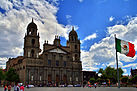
{"points": [[125, 47]]}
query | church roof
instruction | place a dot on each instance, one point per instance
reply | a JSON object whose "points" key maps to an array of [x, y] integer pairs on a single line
{"points": [[15, 60], [73, 32], [32, 25], [56, 47]]}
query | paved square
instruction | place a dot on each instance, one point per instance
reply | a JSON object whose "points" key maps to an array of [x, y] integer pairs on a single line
{"points": [[78, 89]]}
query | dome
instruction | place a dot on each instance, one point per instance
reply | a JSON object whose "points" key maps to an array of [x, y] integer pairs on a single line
{"points": [[73, 32], [32, 25]]}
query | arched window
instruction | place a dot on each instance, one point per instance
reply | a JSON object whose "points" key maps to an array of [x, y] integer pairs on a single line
{"points": [[40, 77], [49, 62], [57, 63], [32, 78], [65, 78], [28, 54], [33, 31], [57, 78], [75, 46], [49, 78], [32, 53], [76, 56], [72, 38], [64, 63], [33, 41]]}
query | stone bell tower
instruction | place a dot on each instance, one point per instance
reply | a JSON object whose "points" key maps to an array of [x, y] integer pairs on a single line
{"points": [[31, 41], [74, 44]]}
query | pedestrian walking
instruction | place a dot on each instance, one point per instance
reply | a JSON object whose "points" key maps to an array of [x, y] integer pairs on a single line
{"points": [[18, 88], [27, 86], [22, 88], [9, 88], [15, 87], [5, 88], [95, 85]]}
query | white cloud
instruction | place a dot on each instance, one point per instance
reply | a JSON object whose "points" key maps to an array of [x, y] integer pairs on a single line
{"points": [[87, 64], [18, 15], [125, 70], [111, 18], [130, 65], [104, 52], [68, 16], [6, 5], [3, 61], [90, 68], [92, 36], [103, 65], [80, 1], [113, 64]]}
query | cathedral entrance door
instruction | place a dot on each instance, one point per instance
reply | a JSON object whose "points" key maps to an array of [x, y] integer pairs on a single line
{"points": [[49, 80], [65, 79], [57, 80]]}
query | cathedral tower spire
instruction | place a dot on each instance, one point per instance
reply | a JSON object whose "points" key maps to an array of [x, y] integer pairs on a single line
{"points": [[32, 19], [31, 41], [74, 44]]}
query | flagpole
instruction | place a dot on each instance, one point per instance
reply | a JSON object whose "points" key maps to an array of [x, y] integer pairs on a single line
{"points": [[117, 64]]}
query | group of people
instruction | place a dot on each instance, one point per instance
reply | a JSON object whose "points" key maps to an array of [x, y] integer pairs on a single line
{"points": [[7, 88], [89, 85], [16, 88]]}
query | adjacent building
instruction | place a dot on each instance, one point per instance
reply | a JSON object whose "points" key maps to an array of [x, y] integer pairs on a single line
{"points": [[56, 64], [87, 75]]}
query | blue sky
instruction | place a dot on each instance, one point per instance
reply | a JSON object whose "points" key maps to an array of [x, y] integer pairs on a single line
{"points": [[95, 16], [96, 22]]}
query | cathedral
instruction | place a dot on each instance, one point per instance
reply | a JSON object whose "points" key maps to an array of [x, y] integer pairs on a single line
{"points": [[56, 64]]}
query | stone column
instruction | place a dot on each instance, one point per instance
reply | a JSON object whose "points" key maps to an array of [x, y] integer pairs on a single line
{"points": [[47, 77]]}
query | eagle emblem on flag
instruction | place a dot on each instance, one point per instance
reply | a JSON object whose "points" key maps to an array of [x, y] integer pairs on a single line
{"points": [[125, 47]]}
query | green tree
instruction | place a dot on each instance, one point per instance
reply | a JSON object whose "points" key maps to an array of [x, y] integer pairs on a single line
{"points": [[124, 79], [134, 79], [110, 74], [99, 80], [103, 74], [101, 70], [92, 80], [1, 75], [12, 76], [130, 81], [120, 72]]}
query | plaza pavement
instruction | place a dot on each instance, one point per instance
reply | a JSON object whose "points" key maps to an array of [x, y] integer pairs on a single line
{"points": [[78, 89]]}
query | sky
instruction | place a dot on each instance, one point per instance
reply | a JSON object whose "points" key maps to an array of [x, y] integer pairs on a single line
{"points": [[95, 21]]}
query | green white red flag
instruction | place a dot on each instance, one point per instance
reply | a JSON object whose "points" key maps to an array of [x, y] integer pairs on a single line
{"points": [[125, 47]]}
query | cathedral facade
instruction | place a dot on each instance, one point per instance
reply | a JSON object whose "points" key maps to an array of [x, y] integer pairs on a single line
{"points": [[56, 64]]}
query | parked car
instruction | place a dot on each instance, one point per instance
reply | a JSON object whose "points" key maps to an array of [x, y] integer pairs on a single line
{"points": [[40, 85], [30, 86], [70, 86], [61, 85], [77, 85]]}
